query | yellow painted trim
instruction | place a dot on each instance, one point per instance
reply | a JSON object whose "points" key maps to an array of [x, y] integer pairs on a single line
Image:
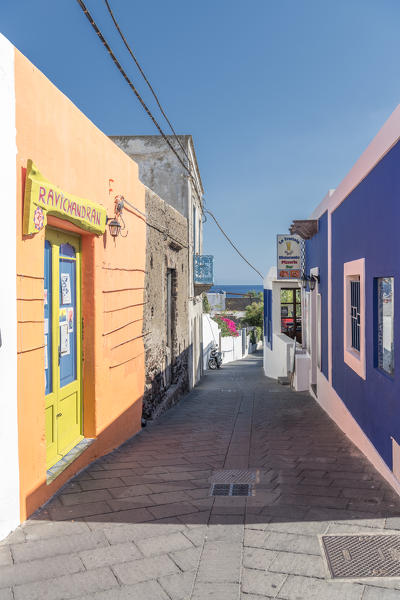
{"points": [[43, 198], [56, 238]]}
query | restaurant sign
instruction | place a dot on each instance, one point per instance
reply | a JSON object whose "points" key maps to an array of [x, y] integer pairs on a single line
{"points": [[288, 256], [42, 198]]}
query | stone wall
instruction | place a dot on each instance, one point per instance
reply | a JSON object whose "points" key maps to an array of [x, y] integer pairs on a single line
{"points": [[166, 364], [163, 173], [239, 303], [159, 168]]}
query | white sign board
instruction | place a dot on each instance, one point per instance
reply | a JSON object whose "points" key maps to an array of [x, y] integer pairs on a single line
{"points": [[64, 340], [288, 256], [65, 282]]}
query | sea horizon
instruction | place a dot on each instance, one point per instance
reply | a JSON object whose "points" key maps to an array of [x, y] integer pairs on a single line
{"points": [[238, 288]]}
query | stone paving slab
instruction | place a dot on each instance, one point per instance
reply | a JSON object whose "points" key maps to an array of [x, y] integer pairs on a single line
{"points": [[178, 586], [149, 590], [57, 545], [67, 586], [140, 523], [308, 588]]}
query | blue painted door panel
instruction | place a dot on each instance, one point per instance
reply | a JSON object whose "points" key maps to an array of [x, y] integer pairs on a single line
{"points": [[67, 314]]}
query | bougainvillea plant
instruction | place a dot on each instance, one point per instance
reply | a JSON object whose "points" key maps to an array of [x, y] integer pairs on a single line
{"points": [[227, 326]]}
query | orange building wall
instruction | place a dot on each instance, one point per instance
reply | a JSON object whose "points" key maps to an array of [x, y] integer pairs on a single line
{"points": [[76, 156]]}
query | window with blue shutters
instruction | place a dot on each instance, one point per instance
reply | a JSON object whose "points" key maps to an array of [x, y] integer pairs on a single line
{"points": [[355, 314]]}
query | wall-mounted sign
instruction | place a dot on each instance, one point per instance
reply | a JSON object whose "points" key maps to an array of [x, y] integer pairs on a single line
{"points": [[288, 256], [42, 198]]}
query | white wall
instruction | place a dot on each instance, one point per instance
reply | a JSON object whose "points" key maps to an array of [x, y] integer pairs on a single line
{"points": [[231, 347], [210, 337], [9, 470], [278, 362]]}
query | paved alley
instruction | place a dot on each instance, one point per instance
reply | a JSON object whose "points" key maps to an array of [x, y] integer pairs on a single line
{"points": [[140, 524]]}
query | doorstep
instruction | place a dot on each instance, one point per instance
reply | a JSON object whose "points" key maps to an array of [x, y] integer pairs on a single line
{"points": [[66, 460]]}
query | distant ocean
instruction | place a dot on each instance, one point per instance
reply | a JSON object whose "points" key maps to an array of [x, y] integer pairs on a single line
{"points": [[235, 289]]}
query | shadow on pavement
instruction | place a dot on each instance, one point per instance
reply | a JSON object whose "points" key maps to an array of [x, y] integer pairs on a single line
{"points": [[306, 469]]}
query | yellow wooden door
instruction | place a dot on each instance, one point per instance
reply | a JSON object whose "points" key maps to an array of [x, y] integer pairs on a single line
{"points": [[63, 356]]}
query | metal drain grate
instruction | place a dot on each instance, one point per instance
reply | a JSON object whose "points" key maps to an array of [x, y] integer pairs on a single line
{"points": [[231, 489], [233, 476], [357, 556]]}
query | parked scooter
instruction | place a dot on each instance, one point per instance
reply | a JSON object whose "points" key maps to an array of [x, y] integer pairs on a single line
{"points": [[215, 360]]}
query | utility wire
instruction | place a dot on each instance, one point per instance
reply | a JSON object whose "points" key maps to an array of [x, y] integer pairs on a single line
{"points": [[146, 108], [129, 82], [145, 78], [232, 244], [134, 208], [123, 73]]}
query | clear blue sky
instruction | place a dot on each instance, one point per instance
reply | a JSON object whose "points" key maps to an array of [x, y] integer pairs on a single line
{"points": [[280, 96]]}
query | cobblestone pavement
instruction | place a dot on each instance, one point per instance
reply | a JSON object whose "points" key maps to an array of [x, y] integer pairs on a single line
{"points": [[140, 524]]}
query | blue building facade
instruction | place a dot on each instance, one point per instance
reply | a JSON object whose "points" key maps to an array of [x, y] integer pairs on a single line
{"points": [[354, 342], [366, 225]]}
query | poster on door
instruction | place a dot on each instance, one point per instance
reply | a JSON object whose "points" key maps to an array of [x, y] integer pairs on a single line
{"points": [[65, 282], [288, 256], [70, 319], [64, 340]]}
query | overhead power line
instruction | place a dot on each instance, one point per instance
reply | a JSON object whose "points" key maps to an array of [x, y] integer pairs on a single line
{"points": [[146, 108], [146, 80], [176, 137], [129, 82], [232, 244]]}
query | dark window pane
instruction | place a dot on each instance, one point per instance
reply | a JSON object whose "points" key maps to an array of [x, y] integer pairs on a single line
{"points": [[67, 250], [355, 313], [385, 321]]}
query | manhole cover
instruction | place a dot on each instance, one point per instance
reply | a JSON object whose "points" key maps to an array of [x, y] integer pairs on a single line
{"points": [[231, 489], [233, 476], [356, 556]]}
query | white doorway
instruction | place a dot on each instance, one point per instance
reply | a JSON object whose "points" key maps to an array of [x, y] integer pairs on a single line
{"points": [[314, 324]]}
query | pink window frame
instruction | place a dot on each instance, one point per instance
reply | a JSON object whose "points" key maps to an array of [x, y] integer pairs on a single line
{"points": [[352, 270]]}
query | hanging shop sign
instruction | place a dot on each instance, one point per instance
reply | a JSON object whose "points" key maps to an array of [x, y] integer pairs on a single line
{"points": [[42, 198], [288, 256]]}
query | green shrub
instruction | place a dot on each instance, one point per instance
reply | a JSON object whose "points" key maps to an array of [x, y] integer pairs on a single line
{"points": [[206, 304], [255, 335], [254, 314]]}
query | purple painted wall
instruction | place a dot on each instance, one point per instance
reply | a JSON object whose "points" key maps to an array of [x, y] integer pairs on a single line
{"points": [[366, 225]]}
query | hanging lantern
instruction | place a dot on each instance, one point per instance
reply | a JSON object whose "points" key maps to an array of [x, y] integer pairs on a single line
{"points": [[313, 280], [114, 227]]}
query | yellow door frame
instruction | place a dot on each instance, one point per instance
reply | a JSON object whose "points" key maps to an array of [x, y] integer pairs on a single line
{"points": [[54, 423]]}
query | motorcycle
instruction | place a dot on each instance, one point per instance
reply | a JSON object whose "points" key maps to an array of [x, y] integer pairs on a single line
{"points": [[215, 360]]}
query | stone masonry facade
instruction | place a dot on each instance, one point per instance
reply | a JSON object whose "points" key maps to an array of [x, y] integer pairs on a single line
{"points": [[166, 321]]}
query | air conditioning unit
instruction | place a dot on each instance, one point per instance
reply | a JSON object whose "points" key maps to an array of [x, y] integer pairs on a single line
{"points": [[302, 371]]}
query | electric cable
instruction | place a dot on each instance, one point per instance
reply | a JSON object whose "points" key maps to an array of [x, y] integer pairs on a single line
{"points": [[151, 224], [146, 80], [146, 108], [129, 82], [232, 244]]}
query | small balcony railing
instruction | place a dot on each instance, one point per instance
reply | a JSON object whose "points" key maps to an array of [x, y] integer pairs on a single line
{"points": [[203, 269]]}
